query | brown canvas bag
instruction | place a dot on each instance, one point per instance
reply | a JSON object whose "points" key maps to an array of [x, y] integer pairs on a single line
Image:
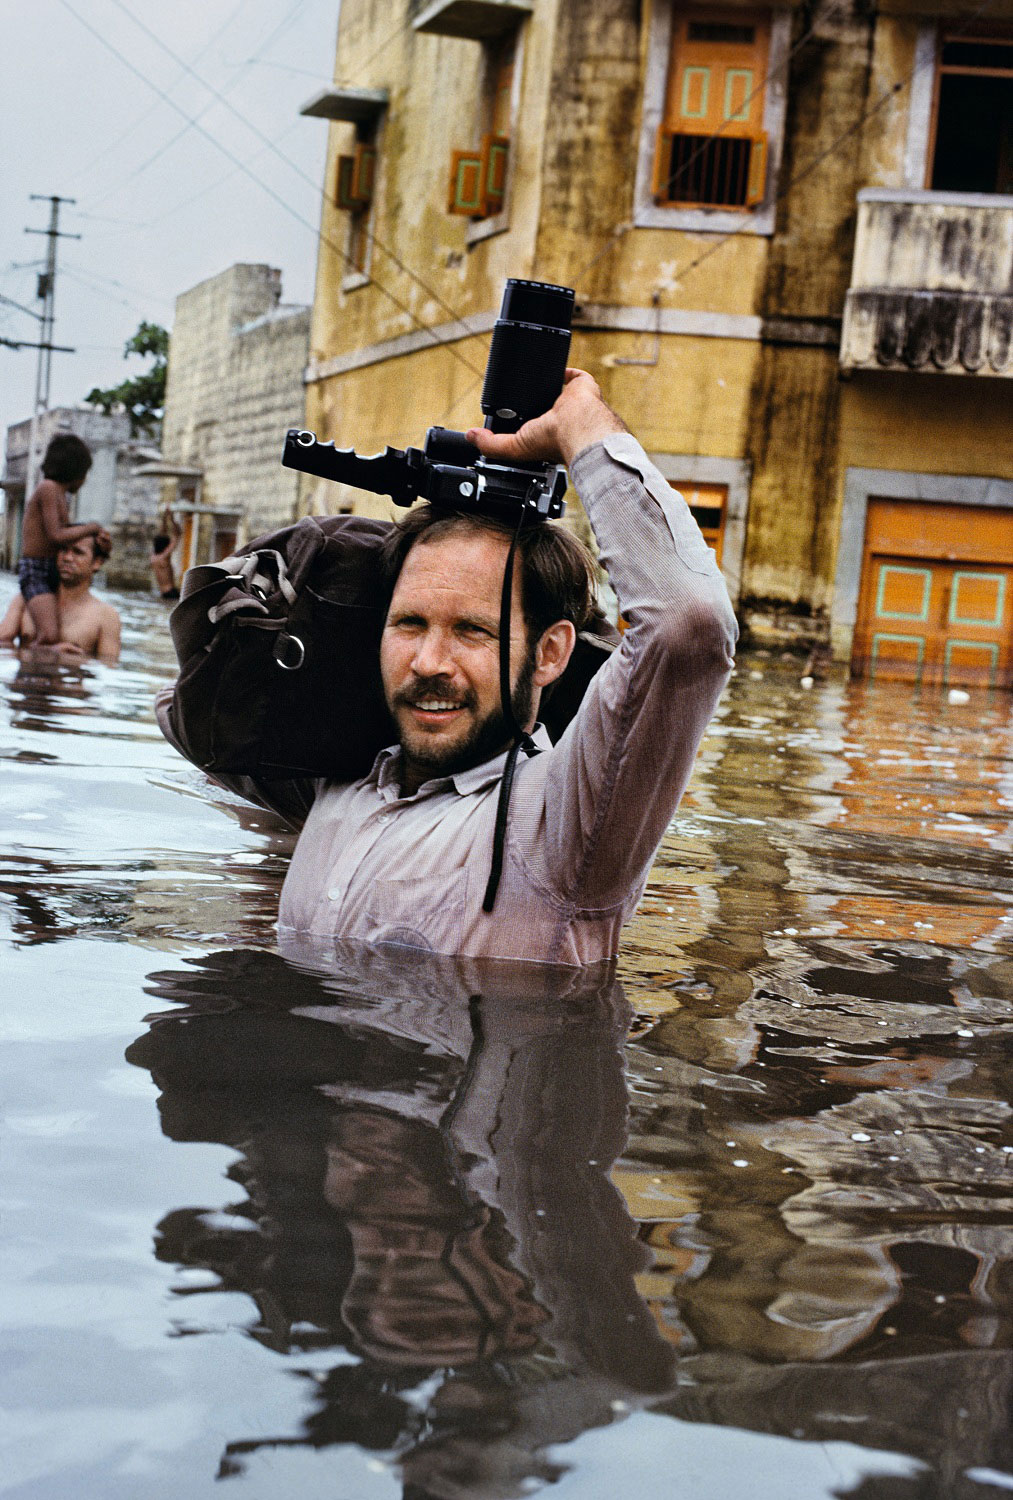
{"points": [[278, 648]]}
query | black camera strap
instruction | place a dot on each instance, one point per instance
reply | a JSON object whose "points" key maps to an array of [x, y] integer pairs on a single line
{"points": [[521, 739]]}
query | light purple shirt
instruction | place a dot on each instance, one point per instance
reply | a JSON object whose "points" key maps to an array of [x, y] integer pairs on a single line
{"points": [[587, 814]]}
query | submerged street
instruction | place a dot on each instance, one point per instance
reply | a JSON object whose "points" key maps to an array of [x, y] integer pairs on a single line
{"points": [[735, 1219]]}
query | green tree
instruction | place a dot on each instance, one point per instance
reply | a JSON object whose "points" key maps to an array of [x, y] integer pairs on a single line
{"points": [[141, 396]]}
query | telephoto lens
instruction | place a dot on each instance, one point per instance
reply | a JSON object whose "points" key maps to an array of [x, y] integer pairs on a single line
{"points": [[529, 352]]}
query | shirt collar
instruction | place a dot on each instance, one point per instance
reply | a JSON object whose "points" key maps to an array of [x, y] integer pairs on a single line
{"points": [[387, 767]]}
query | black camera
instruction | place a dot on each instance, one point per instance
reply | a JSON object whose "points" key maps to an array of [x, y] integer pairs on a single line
{"points": [[524, 375]]}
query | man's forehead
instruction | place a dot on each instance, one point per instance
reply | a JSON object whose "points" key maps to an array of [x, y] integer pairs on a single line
{"points": [[467, 559]]}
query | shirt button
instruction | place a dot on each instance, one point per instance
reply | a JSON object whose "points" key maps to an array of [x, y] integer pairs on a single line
{"points": [[334, 895]]}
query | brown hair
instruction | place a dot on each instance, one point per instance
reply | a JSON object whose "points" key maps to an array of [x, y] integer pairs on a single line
{"points": [[100, 551], [67, 460], [558, 573]]}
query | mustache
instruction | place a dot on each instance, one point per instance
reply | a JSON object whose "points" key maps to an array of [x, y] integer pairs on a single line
{"points": [[431, 687]]}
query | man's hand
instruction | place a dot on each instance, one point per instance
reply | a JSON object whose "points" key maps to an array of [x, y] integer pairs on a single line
{"points": [[578, 419]]}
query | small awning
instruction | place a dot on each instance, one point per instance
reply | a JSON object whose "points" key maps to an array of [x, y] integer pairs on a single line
{"points": [[161, 468], [189, 508], [478, 20], [356, 105]]}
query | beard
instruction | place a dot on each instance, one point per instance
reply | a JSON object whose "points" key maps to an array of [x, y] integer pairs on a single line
{"points": [[487, 736]]}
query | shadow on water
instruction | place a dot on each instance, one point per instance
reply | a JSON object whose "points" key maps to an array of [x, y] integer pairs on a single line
{"points": [[736, 1216], [424, 1177]]}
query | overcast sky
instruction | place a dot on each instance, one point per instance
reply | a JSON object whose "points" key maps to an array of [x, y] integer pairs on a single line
{"points": [[94, 108]]}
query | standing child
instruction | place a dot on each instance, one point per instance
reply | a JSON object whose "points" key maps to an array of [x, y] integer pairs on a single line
{"points": [[47, 527]]}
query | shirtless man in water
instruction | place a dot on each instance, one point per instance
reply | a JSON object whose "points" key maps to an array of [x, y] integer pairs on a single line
{"points": [[87, 625], [47, 527]]}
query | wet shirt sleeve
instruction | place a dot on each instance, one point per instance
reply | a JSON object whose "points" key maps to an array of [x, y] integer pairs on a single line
{"points": [[618, 772], [291, 799]]}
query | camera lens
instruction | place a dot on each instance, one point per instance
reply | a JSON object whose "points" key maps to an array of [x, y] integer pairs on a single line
{"points": [[528, 355]]}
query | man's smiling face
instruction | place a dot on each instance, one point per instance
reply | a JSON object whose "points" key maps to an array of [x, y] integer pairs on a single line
{"points": [[439, 655]]}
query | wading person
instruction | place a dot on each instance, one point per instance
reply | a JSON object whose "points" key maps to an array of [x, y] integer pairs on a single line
{"points": [[87, 625], [47, 527], [162, 548], [403, 854]]}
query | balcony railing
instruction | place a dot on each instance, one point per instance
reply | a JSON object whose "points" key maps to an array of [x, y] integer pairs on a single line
{"points": [[931, 284]]}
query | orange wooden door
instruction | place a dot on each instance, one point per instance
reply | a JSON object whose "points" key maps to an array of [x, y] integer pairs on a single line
{"points": [[707, 502], [936, 602]]}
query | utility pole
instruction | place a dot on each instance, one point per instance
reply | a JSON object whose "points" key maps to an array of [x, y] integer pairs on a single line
{"points": [[46, 294]]}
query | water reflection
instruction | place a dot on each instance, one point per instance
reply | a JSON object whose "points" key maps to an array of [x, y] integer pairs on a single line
{"points": [[424, 1154], [803, 1285]]}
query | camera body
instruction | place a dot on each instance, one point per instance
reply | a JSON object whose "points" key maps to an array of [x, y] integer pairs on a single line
{"points": [[524, 375]]}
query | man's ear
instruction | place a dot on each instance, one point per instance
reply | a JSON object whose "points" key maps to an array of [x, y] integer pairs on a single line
{"points": [[553, 652]]}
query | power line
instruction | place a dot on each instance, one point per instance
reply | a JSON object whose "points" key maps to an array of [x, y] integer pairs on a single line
{"points": [[312, 182], [391, 296], [146, 114], [47, 320], [93, 283], [9, 302], [187, 68]]}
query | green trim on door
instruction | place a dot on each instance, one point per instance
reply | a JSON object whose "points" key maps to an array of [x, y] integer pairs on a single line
{"points": [[730, 75], [1000, 607], [899, 640], [991, 647], [925, 574], [684, 109]]}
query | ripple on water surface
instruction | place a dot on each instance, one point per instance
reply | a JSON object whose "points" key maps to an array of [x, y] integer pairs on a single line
{"points": [[331, 1224]]}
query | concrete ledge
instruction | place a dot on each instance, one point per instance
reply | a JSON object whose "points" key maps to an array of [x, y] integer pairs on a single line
{"points": [[688, 322]]}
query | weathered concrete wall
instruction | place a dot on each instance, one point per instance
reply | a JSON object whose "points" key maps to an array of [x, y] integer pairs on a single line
{"points": [[932, 424], [234, 386], [435, 85], [200, 351], [793, 430], [733, 334], [266, 398]]}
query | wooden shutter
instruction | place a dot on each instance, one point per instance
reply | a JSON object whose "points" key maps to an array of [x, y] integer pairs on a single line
{"points": [[495, 149], [355, 179], [712, 150], [465, 195], [478, 178]]}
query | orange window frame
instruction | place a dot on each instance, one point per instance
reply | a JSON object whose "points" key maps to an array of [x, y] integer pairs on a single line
{"points": [[715, 95]]}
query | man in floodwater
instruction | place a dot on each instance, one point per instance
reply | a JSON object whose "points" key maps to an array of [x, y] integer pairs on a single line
{"points": [[87, 626], [402, 855], [47, 527]]}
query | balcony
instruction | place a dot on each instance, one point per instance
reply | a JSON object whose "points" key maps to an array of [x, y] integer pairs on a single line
{"points": [[931, 284]]}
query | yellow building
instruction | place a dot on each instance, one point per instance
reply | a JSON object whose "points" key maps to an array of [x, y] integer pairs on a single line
{"points": [[790, 231]]}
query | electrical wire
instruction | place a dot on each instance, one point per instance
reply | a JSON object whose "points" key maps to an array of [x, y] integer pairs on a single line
{"points": [[186, 69], [312, 182], [93, 283], [275, 196], [146, 114]]}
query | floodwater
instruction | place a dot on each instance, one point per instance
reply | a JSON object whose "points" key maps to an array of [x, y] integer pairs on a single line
{"points": [[737, 1220]]}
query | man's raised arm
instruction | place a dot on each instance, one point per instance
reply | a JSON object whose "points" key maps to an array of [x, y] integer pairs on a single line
{"points": [[616, 776]]}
